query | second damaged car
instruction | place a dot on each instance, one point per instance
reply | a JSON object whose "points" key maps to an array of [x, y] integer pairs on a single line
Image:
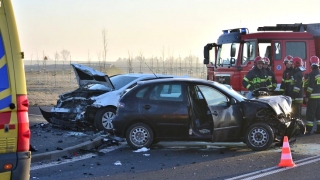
{"points": [[94, 103], [188, 109]]}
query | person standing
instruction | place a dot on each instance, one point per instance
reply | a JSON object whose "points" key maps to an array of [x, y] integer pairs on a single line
{"points": [[272, 82], [256, 77], [313, 97], [287, 76], [297, 87]]}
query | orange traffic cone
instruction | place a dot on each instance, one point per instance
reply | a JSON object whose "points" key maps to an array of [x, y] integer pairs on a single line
{"points": [[286, 159]]}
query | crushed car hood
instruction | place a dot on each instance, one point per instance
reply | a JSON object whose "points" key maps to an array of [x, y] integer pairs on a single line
{"points": [[86, 75], [280, 104]]}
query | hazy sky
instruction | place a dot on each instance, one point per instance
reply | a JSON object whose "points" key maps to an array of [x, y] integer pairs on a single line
{"points": [[147, 27]]}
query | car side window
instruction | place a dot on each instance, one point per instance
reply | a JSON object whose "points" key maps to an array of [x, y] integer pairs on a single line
{"points": [[213, 96], [141, 93], [167, 92]]}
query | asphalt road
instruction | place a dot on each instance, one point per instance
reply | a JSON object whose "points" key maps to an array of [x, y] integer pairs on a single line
{"points": [[190, 160], [186, 160]]}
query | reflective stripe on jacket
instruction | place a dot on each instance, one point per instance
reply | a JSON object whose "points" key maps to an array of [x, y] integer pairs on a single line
{"points": [[287, 80], [297, 95], [255, 79], [313, 89]]}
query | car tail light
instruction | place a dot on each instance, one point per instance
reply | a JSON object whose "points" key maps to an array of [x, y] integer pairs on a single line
{"points": [[121, 105], [23, 123]]}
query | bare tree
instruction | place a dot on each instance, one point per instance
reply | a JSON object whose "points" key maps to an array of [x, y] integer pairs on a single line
{"points": [[130, 68], [163, 63], [89, 58], [105, 45], [99, 58], [65, 54], [151, 64], [141, 60]]}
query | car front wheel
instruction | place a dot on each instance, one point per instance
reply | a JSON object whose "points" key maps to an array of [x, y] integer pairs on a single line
{"points": [[139, 135], [259, 136], [104, 117]]}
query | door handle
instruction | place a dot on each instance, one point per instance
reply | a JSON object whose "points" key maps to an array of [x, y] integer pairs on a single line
{"points": [[147, 107], [215, 113]]}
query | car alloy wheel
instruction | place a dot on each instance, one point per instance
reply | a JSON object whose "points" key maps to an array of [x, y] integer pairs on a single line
{"points": [[259, 136], [139, 135], [104, 117]]}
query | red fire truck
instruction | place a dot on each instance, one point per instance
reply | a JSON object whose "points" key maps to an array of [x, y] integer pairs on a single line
{"points": [[236, 49]]}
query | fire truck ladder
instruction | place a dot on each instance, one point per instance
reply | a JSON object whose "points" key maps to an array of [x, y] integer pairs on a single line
{"points": [[313, 29]]}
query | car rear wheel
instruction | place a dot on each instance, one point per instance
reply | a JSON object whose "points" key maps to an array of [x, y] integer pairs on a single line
{"points": [[104, 117], [139, 135], [259, 136]]}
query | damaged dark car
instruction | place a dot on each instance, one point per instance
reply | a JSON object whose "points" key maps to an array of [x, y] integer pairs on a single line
{"points": [[94, 103], [188, 109]]}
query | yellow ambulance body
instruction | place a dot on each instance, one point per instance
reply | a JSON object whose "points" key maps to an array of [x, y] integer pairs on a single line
{"points": [[15, 157]]}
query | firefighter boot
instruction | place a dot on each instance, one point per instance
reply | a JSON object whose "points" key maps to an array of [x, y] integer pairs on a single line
{"points": [[318, 127], [309, 126], [314, 128]]}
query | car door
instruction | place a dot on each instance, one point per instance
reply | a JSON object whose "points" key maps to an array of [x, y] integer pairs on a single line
{"points": [[227, 116], [166, 109]]}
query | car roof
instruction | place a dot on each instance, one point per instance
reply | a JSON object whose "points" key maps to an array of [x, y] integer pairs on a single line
{"points": [[177, 79], [148, 75]]}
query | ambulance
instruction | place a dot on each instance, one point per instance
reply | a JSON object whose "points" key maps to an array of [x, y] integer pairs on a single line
{"points": [[15, 157]]}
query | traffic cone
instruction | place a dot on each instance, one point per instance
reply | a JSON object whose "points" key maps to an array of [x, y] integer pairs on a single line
{"points": [[286, 158]]}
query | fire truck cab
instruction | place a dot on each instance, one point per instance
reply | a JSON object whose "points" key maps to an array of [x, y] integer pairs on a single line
{"points": [[236, 49]]}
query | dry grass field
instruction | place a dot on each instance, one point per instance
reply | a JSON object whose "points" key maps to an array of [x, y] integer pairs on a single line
{"points": [[45, 82], [44, 87]]}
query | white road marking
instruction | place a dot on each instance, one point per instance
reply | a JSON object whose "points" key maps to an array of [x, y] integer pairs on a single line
{"points": [[276, 169], [74, 159]]}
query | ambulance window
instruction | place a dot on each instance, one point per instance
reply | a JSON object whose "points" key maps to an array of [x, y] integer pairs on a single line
{"points": [[277, 51], [4, 78], [296, 49]]}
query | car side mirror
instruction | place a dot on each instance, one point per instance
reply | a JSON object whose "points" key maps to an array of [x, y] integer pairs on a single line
{"points": [[232, 101], [233, 50]]}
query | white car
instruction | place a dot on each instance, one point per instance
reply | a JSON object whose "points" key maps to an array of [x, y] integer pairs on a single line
{"points": [[94, 103]]}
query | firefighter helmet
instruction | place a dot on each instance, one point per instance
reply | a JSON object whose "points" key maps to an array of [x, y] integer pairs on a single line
{"points": [[266, 60], [258, 59], [297, 62], [288, 59], [314, 61]]}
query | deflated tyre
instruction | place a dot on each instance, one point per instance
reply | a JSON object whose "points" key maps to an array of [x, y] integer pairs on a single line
{"points": [[139, 135], [104, 117], [259, 136]]}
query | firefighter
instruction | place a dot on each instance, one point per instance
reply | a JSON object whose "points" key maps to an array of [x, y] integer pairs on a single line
{"points": [[287, 76], [272, 82], [297, 87], [313, 97], [256, 77]]}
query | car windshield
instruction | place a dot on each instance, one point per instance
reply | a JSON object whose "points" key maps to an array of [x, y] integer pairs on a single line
{"points": [[98, 87], [229, 90], [120, 81]]}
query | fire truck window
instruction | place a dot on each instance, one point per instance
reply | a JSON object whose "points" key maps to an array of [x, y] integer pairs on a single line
{"points": [[248, 52], [277, 51], [296, 49], [223, 56]]}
